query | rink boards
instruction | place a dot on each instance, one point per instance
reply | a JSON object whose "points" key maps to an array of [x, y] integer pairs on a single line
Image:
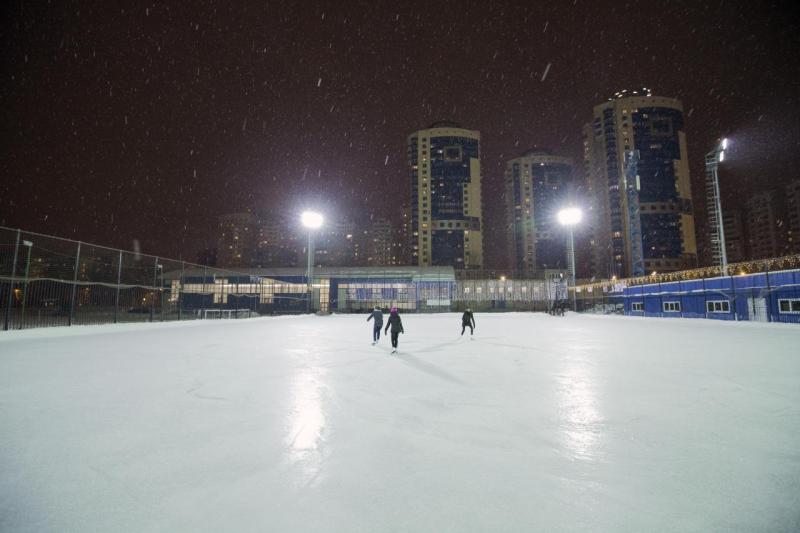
{"points": [[762, 297]]}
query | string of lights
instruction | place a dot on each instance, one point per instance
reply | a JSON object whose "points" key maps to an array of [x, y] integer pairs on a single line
{"points": [[787, 262]]}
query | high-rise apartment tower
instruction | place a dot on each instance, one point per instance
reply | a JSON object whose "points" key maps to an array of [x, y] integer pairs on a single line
{"points": [[446, 221], [637, 174], [535, 189]]}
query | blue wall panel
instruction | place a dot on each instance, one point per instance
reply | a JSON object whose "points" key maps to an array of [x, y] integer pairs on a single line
{"points": [[749, 297]]}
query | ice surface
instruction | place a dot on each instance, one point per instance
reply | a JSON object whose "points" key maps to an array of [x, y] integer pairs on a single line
{"points": [[581, 423]]}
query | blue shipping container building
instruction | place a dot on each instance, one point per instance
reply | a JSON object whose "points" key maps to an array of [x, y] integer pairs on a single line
{"points": [[761, 297]]}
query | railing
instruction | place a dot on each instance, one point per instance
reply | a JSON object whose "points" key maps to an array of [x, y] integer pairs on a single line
{"points": [[763, 291], [52, 281]]}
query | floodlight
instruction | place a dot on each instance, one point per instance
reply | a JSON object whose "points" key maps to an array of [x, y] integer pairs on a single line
{"points": [[311, 219], [569, 216]]}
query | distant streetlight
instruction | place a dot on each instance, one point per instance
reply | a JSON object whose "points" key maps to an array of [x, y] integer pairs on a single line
{"points": [[713, 159], [569, 217], [311, 221]]}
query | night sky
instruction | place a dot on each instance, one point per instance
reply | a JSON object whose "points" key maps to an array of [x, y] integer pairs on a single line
{"points": [[146, 122]]}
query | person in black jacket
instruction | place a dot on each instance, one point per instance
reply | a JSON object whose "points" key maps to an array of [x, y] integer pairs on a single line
{"points": [[467, 320], [397, 327], [377, 314]]}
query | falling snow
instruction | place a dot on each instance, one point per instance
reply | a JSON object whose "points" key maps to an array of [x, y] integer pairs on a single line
{"points": [[546, 70], [272, 106]]}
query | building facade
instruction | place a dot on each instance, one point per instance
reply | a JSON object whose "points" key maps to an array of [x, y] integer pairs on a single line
{"points": [[446, 216], [277, 244], [237, 239], [735, 237], [401, 248], [793, 216], [764, 239], [638, 173], [334, 244], [247, 240], [374, 244], [536, 186]]}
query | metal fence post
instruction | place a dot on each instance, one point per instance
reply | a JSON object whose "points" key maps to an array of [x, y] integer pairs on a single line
{"points": [[180, 294], [769, 298], [74, 285], [119, 280], [29, 245], [705, 297], [153, 296], [9, 301], [203, 296], [160, 272]]}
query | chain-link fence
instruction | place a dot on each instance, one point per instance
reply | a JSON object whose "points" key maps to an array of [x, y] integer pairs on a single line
{"points": [[51, 281]]}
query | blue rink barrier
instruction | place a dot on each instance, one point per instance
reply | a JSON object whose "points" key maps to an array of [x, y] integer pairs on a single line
{"points": [[759, 297]]}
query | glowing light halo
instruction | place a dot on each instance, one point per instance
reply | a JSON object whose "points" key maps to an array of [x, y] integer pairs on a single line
{"points": [[569, 216], [311, 219]]}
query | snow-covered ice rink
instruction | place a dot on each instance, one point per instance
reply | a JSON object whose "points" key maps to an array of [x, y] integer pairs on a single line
{"points": [[581, 423]]}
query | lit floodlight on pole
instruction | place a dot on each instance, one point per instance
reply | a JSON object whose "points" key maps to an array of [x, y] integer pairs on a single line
{"points": [[713, 159], [311, 221], [569, 217]]}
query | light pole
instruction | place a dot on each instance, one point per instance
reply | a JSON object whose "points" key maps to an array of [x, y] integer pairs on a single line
{"points": [[569, 217], [161, 289], [29, 244], [713, 159], [311, 221]]}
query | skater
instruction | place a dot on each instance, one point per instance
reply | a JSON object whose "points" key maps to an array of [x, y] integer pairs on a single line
{"points": [[467, 320], [376, 314], [396, 325]]}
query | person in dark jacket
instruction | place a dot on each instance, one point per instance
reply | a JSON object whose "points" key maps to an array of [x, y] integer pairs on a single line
{"points": [[397, 327], [467, 320], [376, 314]]}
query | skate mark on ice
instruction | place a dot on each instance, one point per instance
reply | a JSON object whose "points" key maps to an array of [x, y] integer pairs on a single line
{"points": [[505, 345], [749, 388], [428, 368], [118, 484], [346, 363], [437, 347], [193, 392]]}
